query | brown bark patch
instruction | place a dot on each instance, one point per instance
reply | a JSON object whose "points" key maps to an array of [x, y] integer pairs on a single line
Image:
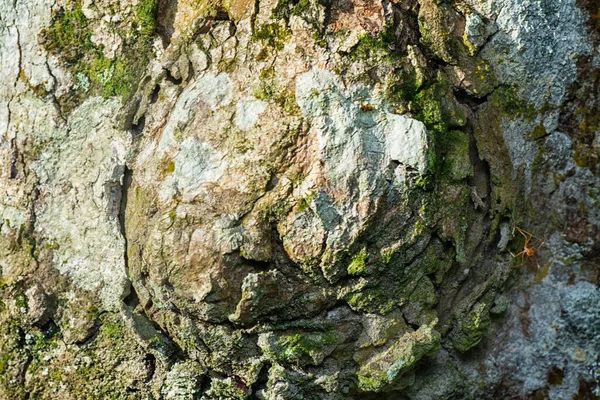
{"points": [[354, 15]]}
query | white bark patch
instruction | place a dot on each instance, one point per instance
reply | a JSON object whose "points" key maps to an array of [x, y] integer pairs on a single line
{"points": [[537, 45], [196, 163], [362, 150], [213, 90], [82, 171], [247, 113], [358, 136]]}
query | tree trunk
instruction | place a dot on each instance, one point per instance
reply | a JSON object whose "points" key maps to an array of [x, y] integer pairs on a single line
{"points": [[299, 199]]}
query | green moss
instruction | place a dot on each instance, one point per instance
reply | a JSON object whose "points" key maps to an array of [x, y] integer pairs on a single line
{"points": [[319, 40], [265, 90], [358, 265], [384, 44], [93, 312], [438, 115], [224, 389], [372, 384], [274, 34], [69, 37], [51, 245], [538, 132], [287, 100], [587, 118], [170, 167], [41, 343], [112, 329], [385, 370], [275, 212], [435, 27], [470, 328], [295, 347], [287, 8], [424, 293], [358, 300], [511, 104], [430, 111], [453, 148], [405, 88], [387, 254], [304, 203], [111, 76], [21, 302], [268, 90], [370, 300], [146, 15], [119, 76], [4, 361], [483, 73]]}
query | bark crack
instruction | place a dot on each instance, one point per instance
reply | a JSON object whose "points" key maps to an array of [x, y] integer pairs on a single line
{"points": [[54, 99], [127, 178], [20, 59]]}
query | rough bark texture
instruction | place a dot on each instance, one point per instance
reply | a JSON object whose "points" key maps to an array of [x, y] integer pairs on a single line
{"points": [[299, 199]]}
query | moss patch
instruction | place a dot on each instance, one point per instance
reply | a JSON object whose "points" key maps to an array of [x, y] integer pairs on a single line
{"points": [[470, 328], [358, 265], [511, 105], [69, 35], [69, 38], [437, 116], [146, 16], [383, 44], [274, 34], [302, 347], [286, 8], [385, 369], [370, 300], [304, 203], [453, 148], [268, 90]]}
